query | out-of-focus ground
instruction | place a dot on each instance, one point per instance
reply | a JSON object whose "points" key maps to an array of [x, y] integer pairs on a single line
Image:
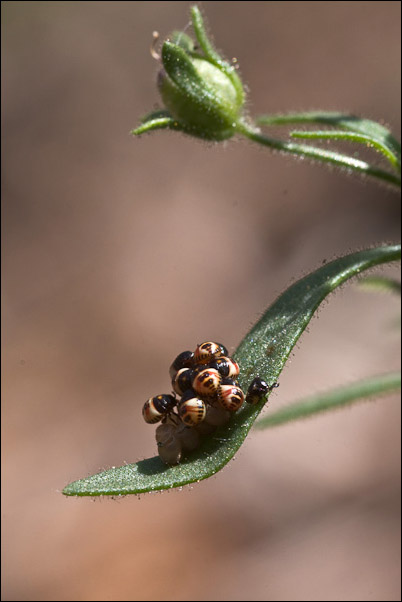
{"points": [[118, 253]]}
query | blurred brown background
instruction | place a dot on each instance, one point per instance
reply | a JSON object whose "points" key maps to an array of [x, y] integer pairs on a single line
{"points": [[104, 240]]}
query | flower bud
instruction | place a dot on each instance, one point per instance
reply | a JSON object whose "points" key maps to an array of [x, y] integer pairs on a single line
{"points": [[202, 93], [198, 94]]}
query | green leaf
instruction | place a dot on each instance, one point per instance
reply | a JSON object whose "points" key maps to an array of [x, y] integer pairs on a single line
{"points": [[338, 398], [371, 132], [319, 154], [263, 352], [351, 137], [340, 120]]}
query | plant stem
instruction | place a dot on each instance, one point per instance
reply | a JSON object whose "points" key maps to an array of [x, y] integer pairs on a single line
{"points": [[334, 119], [317, 154], [352, 137]]}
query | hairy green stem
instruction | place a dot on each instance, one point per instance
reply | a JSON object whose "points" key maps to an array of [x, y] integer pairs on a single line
{"points": [[345, 121], [350, 137], [318, 154]]}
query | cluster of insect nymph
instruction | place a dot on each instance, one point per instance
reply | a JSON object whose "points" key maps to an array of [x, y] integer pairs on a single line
{"points": [[205, 395]]}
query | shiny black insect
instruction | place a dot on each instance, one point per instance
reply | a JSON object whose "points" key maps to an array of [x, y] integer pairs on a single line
{"points": [[226, 367], [206, 352], [183, 360], [158, 407], [183, 380], [258, 389]]}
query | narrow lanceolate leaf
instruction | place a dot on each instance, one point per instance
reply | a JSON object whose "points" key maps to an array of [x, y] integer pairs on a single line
{"points": [[263, 352], [351, 123], [351, 137], [321, 155], [330, 400]]}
